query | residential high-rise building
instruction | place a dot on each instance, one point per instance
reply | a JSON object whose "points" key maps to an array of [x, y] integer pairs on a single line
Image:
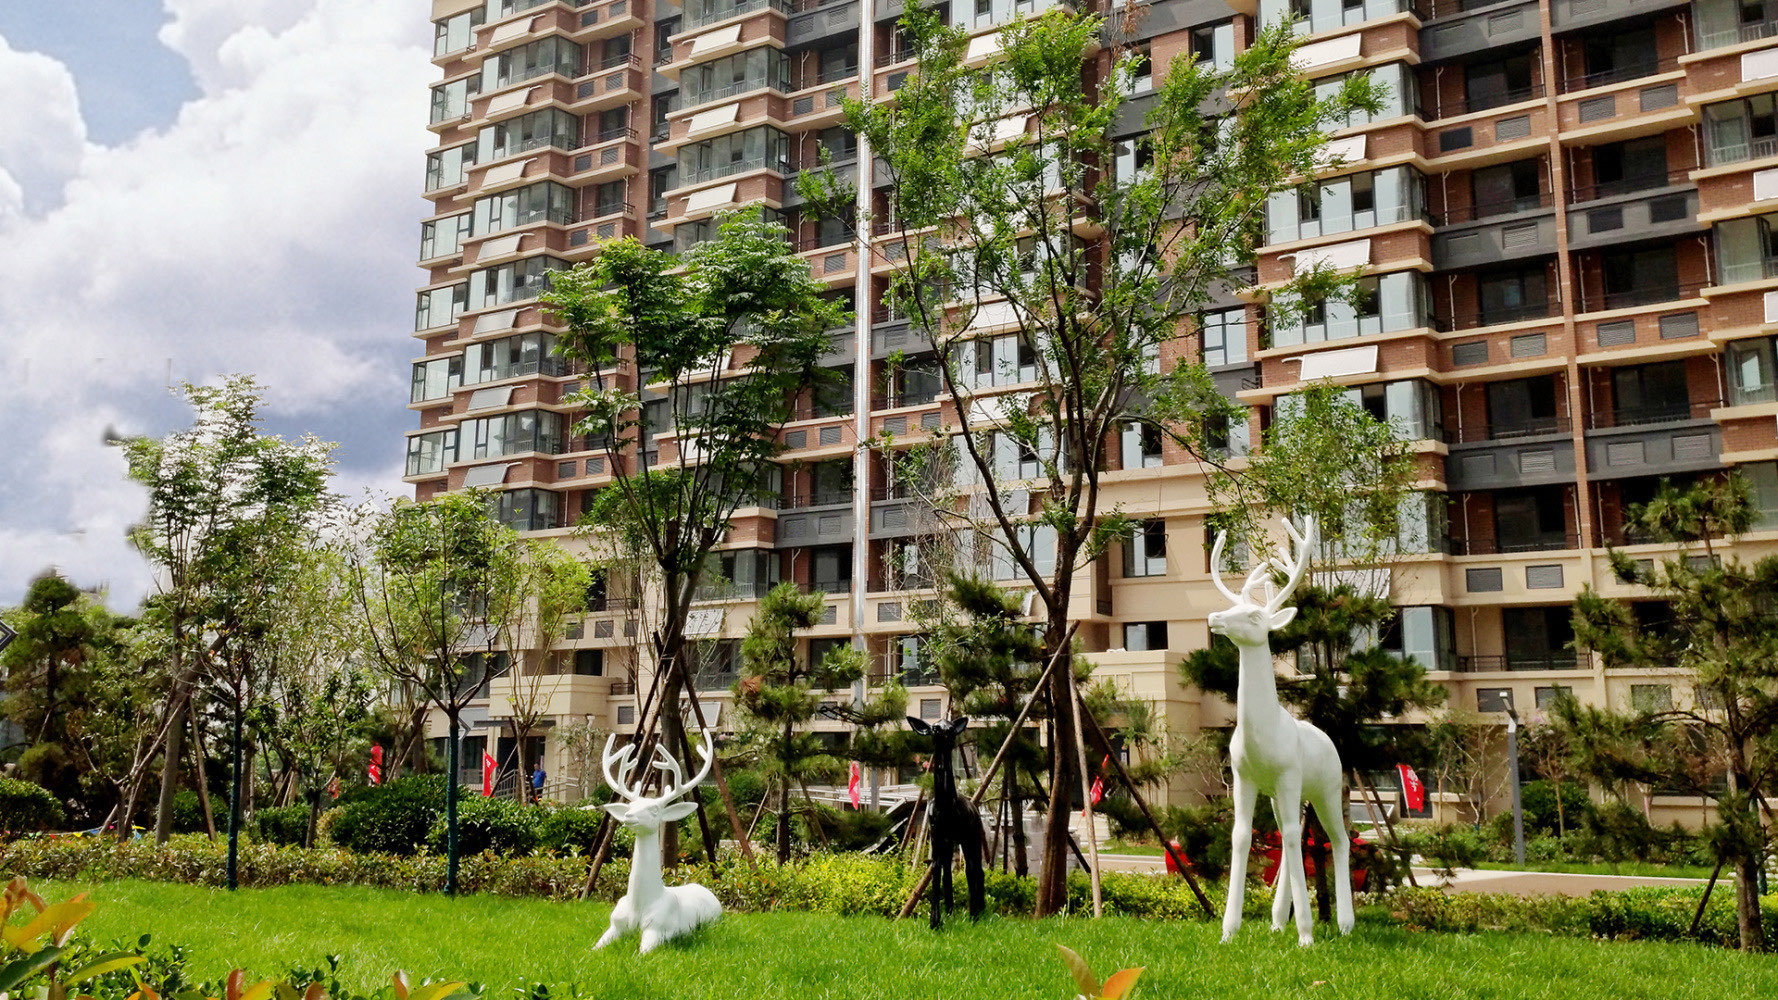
{"points": [[1563, 213]]}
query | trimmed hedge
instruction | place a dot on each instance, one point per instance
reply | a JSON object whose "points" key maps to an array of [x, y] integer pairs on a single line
{"points": [[503, 826], [1650, 912], [836, 883], [393, 818], [28, 808]]}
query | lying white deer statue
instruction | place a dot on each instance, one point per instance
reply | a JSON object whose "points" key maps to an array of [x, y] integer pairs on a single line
{"points": [[660, 911], [1284, 757]]}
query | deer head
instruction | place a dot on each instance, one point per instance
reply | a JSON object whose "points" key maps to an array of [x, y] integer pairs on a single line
{"points": [[1249, 622], [944, 734], [646, 813]]}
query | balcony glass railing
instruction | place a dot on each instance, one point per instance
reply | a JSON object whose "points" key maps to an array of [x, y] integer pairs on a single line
{"points": [[1654, 293], [1735, 272], [777, 163], [701, 12], [1557, 660], [1325, 16], [1752, 32], [1514, 543], [1727, 149]]}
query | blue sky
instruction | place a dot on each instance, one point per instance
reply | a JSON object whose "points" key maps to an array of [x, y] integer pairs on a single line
{"points": [[127, 80], [195, 188]]}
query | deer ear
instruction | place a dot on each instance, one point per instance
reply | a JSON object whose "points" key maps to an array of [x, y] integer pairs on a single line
{"points": [[618, 810], [1283, 617], [678, 811], [957, 725], [919, 726]]}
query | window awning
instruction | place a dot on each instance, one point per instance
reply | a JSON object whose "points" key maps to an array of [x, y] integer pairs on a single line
{"points": [[513, 29], [1327, 53], [505, 173], [500, 246], [728, 35], [992, 314], [703, 623], [1348, 150], [505, 319], [984, 45], [486, 475], [1339, 256], [706, 120], [483, 399], [721, 194], [1765, 185], [1334, 364], [512, 99]]}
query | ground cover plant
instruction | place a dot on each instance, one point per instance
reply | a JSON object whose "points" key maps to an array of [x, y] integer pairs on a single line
{"points": [[508, 945]]}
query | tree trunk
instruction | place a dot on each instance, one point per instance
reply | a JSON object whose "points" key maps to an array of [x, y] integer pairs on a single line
{"points": [[175, 748], [672, 730], [451, 809], [1052, 876], [236, 788], [1747, 915], [1318, 837], [200, 755], [1021, 864]]}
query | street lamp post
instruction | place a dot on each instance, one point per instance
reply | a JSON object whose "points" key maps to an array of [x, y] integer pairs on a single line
{"points": [[1512, 757]]}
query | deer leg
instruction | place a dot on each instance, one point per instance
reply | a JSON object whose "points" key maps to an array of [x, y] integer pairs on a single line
{"points": [[937, 882], [1326, 803], [651, 939], [1289, 806], [1281, 886], [1241, 838]]}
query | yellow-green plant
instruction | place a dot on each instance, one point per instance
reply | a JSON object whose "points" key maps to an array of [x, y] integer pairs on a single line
{"points": [[36, 944], [1114, 988]]}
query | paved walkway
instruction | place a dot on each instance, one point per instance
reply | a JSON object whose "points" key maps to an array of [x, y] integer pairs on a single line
{"points": [[1472, 879]]}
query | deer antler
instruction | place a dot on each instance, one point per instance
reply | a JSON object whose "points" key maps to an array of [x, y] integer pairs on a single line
{"points": [[624, 758], [679, 786], [1216, 568], [1304, 543]]}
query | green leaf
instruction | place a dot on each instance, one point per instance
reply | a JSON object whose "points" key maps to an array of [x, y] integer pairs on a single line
{"points": [[14, 973], [103, 964], [1083, 976]]}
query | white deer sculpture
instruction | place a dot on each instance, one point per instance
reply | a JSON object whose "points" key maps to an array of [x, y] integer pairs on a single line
{"points": [[662, 912], [1287, 759]]}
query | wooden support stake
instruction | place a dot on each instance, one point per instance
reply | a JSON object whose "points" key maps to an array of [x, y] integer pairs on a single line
{"points": [[1086, 791], [1698, 917], [1407, 862]]}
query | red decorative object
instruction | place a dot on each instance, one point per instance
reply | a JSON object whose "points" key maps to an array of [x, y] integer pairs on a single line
{"points": [[1411, 787], [1271, 847], [488, 765], [376, 765]]}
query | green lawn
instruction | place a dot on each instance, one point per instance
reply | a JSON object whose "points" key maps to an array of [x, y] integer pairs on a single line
{"points": [[509, 942]]}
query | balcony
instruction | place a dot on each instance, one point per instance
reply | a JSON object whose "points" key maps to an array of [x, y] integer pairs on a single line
{"points": [[1452, 31], [1504, 315], [1568, 15], [822, 498], [1619, 74], [1637, 297], [1515, 545], [1603, 215], [1442, 110], [820, 19], [1738, 35], [1654, 441], [1540, 456], [1496, 239], [1561, 660], [1737, 272]]}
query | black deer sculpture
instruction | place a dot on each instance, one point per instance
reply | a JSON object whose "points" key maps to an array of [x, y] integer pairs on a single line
{"points": [[954, 822]]}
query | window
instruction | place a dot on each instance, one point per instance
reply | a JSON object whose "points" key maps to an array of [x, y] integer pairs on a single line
{"points": [[1506, 188], [1498, 81], [1633, 165], [1746, 249], [1214, 44], [436, 378], [608, 199], [664, 30], [659, 183], [448, 167], [830, 569], [1225, 336], [1530, 520], [528, 510], [1143, 637], [1145, 553], [529, 205], [515, 282], [1398, 95], [513, 434], [451, 100], [663, 106], [551, 127], [1539, 638], [444, 237], [838, 144], [1423, 633], [837, 63], [1623, 56], [1411, 407], [1347, 203], [1493, 699], [931, 709], [761, 148], [1523, 406], [1383, 303], [524, 354], [528, 62], [430, 453], [1511, 296], [1742, 130], [440, 306], [626, 715], [1639, 277], [1225, 435], [832, 396], [454, 34], [589, 662], [1548, 696], [719, 79], [1651, 697], [1650, 393], [1141, 446], [1142, 66], [1134, 155]]}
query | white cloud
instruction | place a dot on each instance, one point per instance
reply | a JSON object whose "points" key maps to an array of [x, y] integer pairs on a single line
{"points": [[42, 138], [271, 229]]}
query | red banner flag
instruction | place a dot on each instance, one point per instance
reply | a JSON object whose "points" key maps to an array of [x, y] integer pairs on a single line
{"points": [[488, 765], [852, 782], [1411, 788], [376, 765]]}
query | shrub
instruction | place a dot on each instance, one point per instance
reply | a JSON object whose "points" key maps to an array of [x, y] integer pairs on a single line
{"points": [[1203, 833], [569, 831], [500, 826], [394, 819], [1538, 801], [286, 825], [188, 812], [28, 808], [843, 829], [1447, 846], [1661, 912], [50, 766]]}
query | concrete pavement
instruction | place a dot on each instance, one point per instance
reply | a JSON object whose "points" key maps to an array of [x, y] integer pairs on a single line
{"points": [[1518, 883]]}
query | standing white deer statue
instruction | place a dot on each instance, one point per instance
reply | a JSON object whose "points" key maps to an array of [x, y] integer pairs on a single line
{"points": [[1287, 759], [662, 912]]}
